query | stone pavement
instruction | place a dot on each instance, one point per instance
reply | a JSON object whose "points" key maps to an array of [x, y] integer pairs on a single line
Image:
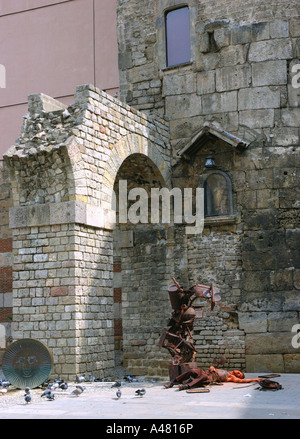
{"points": [[99, 401]]}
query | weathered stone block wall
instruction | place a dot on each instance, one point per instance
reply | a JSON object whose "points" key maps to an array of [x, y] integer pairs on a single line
{"points": [[217, 258], [228, 39], [143, 270], [239, 79], [57, 296], [145, 303], [269, 306], [63, 168], [66, 289]]}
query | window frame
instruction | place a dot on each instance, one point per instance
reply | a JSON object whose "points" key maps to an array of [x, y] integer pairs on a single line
{"points": [[167, 55]]}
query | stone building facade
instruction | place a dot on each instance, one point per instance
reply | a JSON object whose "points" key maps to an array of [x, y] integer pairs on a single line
{"points": [[96, 292], [240, 80]]}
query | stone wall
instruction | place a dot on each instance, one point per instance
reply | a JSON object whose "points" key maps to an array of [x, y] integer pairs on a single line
{"points": [[225, 35], [97, 297], [56, 296], [143, 265], [6, 260], [240, 80], [240, 68], [63, 168]]}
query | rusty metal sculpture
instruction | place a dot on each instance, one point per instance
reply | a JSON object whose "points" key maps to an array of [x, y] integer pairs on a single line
{"points": [[178, 338]]}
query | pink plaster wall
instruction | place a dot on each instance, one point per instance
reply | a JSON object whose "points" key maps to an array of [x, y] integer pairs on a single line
{"points": [[12, 6], [51, 47]]}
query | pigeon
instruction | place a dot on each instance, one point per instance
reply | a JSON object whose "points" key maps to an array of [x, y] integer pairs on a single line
{"points": [[77, 391], [130, 379], [50, 396], [5, 383], [63, 386], [80, 379], [27, 395], [46, 392], [91, 378], [118, 393], [117, 384], [27, 398], [140, 392], [45, 384]]}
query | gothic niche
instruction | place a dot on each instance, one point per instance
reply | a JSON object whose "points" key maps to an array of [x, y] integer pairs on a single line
{"points": [[216, 183], [217, 194]]}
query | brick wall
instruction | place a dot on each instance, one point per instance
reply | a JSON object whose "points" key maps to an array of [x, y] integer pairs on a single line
{"points": [[66, 161], [6, 260], [51, 306], [64, 293]]}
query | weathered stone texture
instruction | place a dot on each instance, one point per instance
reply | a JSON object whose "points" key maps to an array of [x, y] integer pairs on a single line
{"points": [[6, 260], [49, 304], [241, 72], [97, 306], [62, 223], [252, 58]]}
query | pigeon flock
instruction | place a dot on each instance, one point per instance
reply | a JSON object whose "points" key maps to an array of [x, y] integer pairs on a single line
{"points": [[58, 385]]}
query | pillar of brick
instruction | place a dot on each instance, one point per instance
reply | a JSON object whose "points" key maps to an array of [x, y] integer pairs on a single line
{"points": [[63, 169], [6, 261]]}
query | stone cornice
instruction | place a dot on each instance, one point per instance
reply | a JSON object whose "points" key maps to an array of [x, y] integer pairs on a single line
{"points": [[61, 213]]}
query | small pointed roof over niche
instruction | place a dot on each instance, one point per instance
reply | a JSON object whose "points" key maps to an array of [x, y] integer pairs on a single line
{"points": [[210, 133]]}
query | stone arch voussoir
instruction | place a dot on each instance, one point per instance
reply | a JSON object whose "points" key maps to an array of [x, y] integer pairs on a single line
{"points": [[121, 150]]}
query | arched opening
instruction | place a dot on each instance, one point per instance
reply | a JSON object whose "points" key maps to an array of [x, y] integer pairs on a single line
{"points": [[141, 271]]}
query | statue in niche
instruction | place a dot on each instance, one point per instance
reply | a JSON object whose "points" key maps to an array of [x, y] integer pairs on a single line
{"points": [[217, 195]]}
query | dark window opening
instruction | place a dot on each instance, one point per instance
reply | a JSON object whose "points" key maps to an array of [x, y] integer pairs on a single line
{"points": [[217, 195], [178, 36]]}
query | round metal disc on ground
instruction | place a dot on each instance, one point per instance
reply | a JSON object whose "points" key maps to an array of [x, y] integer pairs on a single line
{"points": [[27, 363]]}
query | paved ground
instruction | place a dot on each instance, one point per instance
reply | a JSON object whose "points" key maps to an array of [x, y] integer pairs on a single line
{"points": [[99, 401]]}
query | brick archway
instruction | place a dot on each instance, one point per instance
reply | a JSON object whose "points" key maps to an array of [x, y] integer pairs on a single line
{"points": [[121, 150], [63, 168]]}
